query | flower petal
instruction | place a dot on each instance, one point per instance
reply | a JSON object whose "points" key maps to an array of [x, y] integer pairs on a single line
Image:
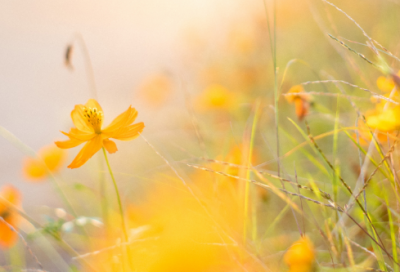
{"points": [[79, 135], [53, 157], [124, 119], [301, 107], [9, 194], [130, 132], [92, 103], [385, 84], [34, 169], [7, 236], [110, 146], [72, 142], [88, 150], [386, 121], [79, 120]]}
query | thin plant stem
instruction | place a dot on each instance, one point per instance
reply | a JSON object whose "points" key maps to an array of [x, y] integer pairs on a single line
{"points": [[248, 173], [272, 40], [121, 211], [276, 94], [88, 65], [103, 196]]}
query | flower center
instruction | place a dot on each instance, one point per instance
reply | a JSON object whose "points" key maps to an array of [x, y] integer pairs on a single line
{"points": [[94, 117], [5, 214]]}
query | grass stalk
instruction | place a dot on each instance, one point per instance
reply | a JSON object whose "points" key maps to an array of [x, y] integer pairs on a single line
{"points": [[248, 174], [392, 234], [120, 207], [125, 253]]}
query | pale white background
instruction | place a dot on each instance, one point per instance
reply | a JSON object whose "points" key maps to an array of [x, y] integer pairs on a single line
{"points": [[127, 40]]}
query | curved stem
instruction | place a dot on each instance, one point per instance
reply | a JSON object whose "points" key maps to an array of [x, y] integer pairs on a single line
{"points": [[121, 211], [88, 64]]}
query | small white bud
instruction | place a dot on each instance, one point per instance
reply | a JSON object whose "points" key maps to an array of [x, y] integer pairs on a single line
{"points": [[96, 223], [67, 227], [81, 221], [60, 213]]}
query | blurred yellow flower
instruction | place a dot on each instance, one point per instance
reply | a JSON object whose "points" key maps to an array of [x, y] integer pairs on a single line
{"points": [[385, 120], [176, 233], [379, 120], [301, 102], [216, 97], [156, 89], [8, 194], [300, 256], [386, 84], [50, 158], [88, 120], [291, 94]]}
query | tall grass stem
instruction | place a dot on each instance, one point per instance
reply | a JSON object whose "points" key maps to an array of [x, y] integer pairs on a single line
{"points": [[121, 210]]}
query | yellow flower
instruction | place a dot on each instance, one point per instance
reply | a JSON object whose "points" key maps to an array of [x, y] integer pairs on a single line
{"points": [[88, 120], [385, 120], [300, 256], [8, 194], [217, 97], [386, 84], [50, 157]]}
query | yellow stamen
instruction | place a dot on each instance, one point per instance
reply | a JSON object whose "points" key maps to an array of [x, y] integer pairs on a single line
{"points": [[94, 117]]}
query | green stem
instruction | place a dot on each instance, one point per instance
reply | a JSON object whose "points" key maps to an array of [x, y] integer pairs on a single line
{"points": [[121, 211], [247, 188], [103, 196]]}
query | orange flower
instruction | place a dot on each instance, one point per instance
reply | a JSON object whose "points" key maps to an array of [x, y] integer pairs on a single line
{"points": [[300, 256], [301, 102], [88, 120], [50, 158], [8, 194], [302, 107]]}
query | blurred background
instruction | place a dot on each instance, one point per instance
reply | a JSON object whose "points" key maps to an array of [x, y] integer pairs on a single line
{"points": [[128, 42], [195, 70]]}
